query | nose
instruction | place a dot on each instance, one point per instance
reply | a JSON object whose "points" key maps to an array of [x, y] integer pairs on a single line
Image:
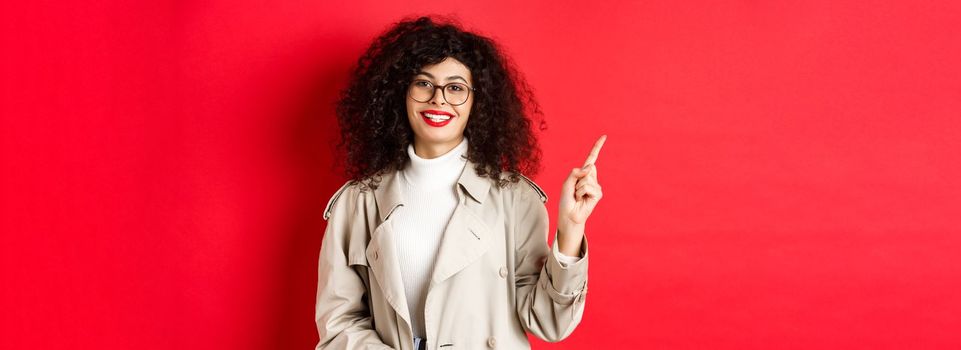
{"points": [[438, 97]]}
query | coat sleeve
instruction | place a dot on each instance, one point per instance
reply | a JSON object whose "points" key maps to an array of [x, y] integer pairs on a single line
{"points": [[342, 314], [550, 296]]}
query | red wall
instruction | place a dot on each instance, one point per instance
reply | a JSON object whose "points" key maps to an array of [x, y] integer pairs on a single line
{"points": [[776, 175]]}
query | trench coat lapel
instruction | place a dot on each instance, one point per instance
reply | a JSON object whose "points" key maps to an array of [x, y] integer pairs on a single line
{"points": [[381, 254], [466, 237]]}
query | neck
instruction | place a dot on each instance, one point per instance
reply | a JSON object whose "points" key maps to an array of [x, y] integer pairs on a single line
{"points": [[433, 150], [438, 172]]}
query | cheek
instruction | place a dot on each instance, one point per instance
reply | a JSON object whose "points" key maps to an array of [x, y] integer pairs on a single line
{"points": [[464, 110], [410, 112], [410, 108]]}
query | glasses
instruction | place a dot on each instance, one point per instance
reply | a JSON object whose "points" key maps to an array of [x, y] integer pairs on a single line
{"points": [[455, 94]]}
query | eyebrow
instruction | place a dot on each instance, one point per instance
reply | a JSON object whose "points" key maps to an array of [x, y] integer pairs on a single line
{"points": [[452, 77]]}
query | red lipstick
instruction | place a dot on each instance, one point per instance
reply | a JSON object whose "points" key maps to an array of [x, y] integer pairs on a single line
{"points": [[431, 122]]}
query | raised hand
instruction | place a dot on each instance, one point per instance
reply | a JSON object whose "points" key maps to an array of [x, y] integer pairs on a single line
{"points": [[580, 193]]}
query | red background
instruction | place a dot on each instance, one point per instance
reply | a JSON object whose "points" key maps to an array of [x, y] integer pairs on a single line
{"points": [[776, 175]]}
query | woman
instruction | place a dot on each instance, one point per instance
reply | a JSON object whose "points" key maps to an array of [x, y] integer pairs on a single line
{"points": [[436, 243]]}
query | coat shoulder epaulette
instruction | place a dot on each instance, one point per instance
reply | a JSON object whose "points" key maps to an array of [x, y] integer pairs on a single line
{"points": [[537, 188], [333, 199]]}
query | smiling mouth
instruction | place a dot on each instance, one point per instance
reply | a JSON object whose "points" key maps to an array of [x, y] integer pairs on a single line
{"points": [[436, 119]]}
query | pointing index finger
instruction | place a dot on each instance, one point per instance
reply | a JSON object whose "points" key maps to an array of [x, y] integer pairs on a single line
{"points": [[592, 157]]}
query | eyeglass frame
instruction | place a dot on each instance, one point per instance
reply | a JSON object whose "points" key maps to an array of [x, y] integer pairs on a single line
{"points": [[442, 92]]}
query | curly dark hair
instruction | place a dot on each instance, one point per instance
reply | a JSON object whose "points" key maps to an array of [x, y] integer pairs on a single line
{"points": [[371, 110]]}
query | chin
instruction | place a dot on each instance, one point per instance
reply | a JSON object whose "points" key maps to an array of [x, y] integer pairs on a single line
{"points": [[439, 139], [434, 137]]}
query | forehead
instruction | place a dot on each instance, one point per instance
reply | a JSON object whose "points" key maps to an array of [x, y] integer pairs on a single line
{"points": [[447, 69]]}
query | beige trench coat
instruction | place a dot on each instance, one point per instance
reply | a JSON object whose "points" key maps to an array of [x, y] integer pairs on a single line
{"points": [[495, 276]]}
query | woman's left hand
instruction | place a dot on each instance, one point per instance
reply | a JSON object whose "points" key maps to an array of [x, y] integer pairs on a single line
{"points": [[580, 193]]}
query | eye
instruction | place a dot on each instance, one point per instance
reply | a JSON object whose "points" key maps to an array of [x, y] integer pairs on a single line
{"points": [[456, 87], [422, 83]]}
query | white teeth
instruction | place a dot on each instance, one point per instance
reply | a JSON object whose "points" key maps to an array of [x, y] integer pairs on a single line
{"points": [[437, 117]]}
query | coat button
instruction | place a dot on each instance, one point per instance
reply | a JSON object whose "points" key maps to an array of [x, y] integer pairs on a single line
{"points": [[503, 272], [491, 342]]}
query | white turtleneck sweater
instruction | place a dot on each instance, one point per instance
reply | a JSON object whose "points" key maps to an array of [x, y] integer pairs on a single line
{"points": [[429, 197], [429, 201]]}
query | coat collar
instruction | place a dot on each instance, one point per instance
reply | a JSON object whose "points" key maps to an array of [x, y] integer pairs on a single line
{"points": [[465, 238], [388, 193]]}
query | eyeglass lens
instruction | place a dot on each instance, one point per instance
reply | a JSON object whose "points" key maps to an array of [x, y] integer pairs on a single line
{"points": [[453, 93]]}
